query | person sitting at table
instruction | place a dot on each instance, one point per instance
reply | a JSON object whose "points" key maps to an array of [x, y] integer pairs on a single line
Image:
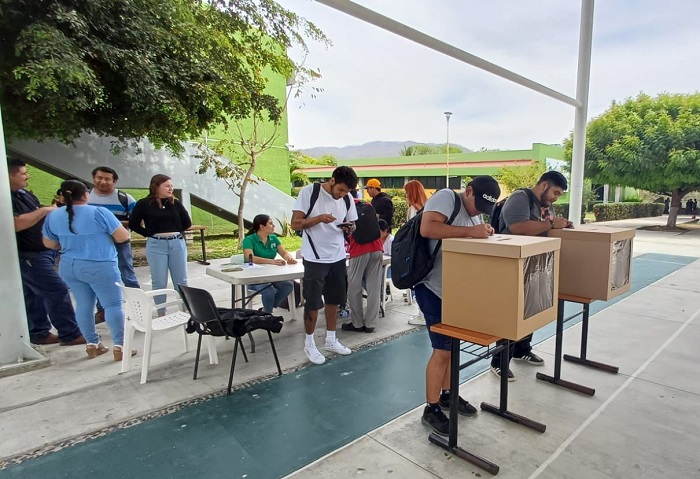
{"points": [[263, 245]]}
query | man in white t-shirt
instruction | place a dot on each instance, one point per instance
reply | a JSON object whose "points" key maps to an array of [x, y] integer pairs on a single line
{"points": [[106, 195], [324, 224]]}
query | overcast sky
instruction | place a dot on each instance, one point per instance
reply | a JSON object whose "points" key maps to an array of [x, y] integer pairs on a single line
{"points": [[378, 86]]}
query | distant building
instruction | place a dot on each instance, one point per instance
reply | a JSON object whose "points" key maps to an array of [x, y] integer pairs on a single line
{"points": [[431, 170]]}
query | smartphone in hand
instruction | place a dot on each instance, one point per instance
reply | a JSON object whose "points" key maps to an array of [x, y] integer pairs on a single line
{"points": [[344, 225]]}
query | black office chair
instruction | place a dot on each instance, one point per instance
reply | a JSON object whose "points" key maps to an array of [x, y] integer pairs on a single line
{"points": [[208, 319]]}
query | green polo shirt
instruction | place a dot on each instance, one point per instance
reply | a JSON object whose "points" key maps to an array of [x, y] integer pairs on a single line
{"points": [[263, 250]]}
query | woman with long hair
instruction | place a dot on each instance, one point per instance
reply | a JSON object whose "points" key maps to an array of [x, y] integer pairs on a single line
{"points": [[415, 197], [162, 219], [86, 235], [261, 246]]}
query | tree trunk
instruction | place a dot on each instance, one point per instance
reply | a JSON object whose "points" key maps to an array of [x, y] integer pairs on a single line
{"points": [[676, 197], [241, 200]]}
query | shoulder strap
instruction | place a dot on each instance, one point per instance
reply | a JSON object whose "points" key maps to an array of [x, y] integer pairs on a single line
{"points": [[124, 200], [314, 197], [455, 212], [530, 196], [458, 206]]}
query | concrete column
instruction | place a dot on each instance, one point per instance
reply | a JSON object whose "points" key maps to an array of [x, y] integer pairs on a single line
{"points": [[16, 354], [606, 193], [618, 193]]}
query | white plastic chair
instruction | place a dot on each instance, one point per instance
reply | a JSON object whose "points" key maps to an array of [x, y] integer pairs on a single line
{"points": [[140, 312]]}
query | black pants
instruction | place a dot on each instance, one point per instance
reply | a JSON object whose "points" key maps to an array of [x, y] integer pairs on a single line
{"points": [[517, 349]]}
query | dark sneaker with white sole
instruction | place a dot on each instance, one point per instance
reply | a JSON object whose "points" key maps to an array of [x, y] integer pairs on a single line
{"points": [[464, 408], [436, 420], [530, 358], [497, 372]]}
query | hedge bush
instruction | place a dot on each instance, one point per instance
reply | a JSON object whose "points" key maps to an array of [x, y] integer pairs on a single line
{"points": [[400, 212], [621, 211]]}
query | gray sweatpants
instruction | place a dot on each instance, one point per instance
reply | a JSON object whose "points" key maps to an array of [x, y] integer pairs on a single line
{"points": [[368, 267]]}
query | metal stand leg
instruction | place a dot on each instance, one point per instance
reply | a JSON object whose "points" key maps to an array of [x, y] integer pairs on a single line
{"points": [[556, 379], [584, 344], [451, 443], [204, 249], [502, 409]]}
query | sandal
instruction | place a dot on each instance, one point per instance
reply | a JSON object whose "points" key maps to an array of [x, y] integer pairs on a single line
{"points": [[94, 350], [118, 354]]}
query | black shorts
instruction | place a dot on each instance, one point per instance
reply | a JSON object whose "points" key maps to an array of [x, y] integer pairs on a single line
{"points": [[329, 280]]}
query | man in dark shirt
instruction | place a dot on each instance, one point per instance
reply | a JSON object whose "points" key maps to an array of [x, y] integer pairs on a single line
{"points": [[530, 213], [46, 297], [380, 201]]}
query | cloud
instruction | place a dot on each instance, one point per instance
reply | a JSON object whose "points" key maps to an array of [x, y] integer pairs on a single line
{"points": [[378, 86]]}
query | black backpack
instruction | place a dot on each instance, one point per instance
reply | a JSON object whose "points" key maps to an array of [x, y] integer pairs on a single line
{"points": [[124, 200], [367, 224], [495, 217], [411, 258]]}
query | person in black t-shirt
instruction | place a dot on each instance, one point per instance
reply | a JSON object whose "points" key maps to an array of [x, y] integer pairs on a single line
{"points": [[163, 220], [46, 297], [380, 201]]}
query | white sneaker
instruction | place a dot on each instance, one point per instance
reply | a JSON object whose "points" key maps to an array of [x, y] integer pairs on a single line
{"points": [[336, 347], [314, 354], [417, 320]]}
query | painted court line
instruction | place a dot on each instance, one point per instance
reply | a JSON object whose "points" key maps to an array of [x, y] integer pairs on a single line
{"points": [[541, 468]]}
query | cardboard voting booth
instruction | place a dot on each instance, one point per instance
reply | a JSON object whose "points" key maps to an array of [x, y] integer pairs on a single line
{"points": [[505, 285], [596, 261]]}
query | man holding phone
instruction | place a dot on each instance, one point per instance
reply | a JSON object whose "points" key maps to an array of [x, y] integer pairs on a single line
{"points": [[324, 223]]}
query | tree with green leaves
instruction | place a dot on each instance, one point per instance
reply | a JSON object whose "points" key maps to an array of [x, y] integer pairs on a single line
{"points": [[165, 70], [647, 143], [416, 150], [514, 177]]}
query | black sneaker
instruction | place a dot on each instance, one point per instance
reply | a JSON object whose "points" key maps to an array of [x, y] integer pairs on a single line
{"points": [[464, 408], [350, 327], [436, 420], [497, 372], [530, 358]]}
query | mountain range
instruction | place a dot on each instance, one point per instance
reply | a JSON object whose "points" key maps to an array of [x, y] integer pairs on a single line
{"points": [[373, 149]]}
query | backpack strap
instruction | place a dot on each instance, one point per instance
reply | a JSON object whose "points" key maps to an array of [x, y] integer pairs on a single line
{"points": [[124, 200], [455, 212], [314, 197]]}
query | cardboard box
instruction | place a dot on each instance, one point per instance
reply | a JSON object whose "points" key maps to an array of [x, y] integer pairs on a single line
{"points": [[596, 261], [487, 284]]}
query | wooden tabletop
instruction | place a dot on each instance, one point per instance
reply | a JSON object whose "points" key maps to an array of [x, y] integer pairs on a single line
{"points": [[465, 334], [575, 299]]}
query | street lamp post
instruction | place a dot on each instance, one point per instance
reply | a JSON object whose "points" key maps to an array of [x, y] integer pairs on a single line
{"points": [[448, 114]]}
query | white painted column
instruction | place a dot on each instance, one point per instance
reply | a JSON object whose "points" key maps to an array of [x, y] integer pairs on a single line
{"points": [[606, 193], [618, 193], [580, 119], [14, 332]]}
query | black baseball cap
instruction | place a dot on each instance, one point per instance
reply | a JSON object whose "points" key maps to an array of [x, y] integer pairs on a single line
{"points": [[486, 193]]}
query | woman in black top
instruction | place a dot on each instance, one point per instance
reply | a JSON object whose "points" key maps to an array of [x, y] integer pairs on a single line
{"points": [[162, 219]]}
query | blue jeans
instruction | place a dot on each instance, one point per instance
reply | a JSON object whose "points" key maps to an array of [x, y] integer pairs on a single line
{"points": [[125, 258], [46, 297], [273, 294], [89, 280], [163, 256], [431, 307]]}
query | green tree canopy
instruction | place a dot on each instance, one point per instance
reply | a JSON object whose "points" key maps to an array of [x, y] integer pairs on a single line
{"points": [[647, 143], [416, 150], [166, 70], [514, 177]]}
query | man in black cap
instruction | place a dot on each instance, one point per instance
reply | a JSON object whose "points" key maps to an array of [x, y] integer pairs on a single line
{"points": [[529, 212], [479, 197]]}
